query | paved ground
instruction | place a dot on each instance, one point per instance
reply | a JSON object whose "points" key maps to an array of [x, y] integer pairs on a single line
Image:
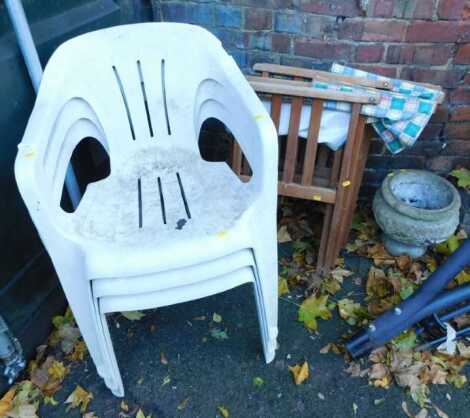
{"points": [[209, 372]]}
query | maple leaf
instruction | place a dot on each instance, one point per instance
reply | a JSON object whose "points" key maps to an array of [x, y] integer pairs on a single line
{"points": [[79, 398], [312, 308], [300, 372]]}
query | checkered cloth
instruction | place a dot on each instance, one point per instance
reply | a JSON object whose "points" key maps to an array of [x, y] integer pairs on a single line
{"points": [[401, 114]]}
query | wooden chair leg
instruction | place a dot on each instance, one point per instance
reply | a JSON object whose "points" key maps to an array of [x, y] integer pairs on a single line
{"points": [[343, 190]]}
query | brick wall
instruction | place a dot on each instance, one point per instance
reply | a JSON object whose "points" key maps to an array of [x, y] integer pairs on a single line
{"points": [[420, 40]]}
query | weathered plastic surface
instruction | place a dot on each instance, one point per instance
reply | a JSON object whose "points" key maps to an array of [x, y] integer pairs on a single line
{"points": [[143, 91]]}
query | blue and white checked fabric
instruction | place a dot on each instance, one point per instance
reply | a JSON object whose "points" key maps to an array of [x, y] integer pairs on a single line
{"points": [[401, 114]]}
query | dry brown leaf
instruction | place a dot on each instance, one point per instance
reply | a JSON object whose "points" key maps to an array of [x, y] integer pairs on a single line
{"points": [[79, 398], [283, 235], [378, 371], [7, 401], [300, 372]]}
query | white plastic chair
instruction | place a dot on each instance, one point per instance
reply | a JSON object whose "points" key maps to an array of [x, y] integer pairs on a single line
{"points": [[166, 226]]}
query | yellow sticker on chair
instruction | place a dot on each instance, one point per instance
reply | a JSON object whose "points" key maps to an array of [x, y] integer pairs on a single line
{"points": [[346, 183], [317, 197]]}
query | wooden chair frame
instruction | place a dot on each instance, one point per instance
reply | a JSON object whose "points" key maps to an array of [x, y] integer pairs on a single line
{"points": [[340, 189]]}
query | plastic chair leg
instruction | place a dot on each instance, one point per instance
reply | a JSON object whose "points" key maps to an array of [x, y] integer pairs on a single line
{"points": [[266, 294], [78, 293], [112, 379]]}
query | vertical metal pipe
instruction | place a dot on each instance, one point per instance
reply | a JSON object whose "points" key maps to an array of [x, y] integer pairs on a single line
{"points": [[28, 49]]}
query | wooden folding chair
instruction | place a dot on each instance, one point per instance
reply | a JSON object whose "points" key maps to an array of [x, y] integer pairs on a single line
{"points": [[332, 178]]}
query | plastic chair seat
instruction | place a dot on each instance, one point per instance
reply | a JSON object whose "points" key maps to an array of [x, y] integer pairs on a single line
{"points": [[150, 204]]}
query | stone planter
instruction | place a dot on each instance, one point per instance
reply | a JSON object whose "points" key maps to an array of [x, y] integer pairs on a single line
{"points": [[415, 208]]}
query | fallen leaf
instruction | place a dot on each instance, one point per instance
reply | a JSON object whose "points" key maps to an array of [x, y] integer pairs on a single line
{"points": [[349, 310], [321, 396], [57, 370], [258, 381], [216, 317], [7, 401], [463, 177], [163, 358], [378, 402], [312, 308], [49, 400], [183, 404], [405, 341], [140, 414], [79, 398], [223, 411], [124, 406], [133, 315], [79, 351], [283, 287], [218, 334], [90, 415], [166, 380], [283, 235], [300, 372]]}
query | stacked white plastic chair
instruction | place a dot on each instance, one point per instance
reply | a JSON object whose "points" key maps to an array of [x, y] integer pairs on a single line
{"points": [[166, 226]]}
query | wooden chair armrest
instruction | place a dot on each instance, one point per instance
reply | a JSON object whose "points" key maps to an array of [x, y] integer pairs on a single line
{"points": [[318, 75], [305, 89]]}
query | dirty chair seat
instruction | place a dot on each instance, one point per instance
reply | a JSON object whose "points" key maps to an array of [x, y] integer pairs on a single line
{"points": [[155, 200]]}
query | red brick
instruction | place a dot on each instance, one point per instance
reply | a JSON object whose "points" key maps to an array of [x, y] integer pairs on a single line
{"points": [[432, 130], [461, 113], [412, 54], [323, 50], [444, 78], [369, 53], [382, 8], [423, 9], [463, 55], [258, 19], [466, 11], [457, 147], [384, 30], [346, 8], [440, 32], [441, 164], [351, 29], [460, 96], [280, 42], [441, 114], [450, 9], [458, 130], [463, 32]]}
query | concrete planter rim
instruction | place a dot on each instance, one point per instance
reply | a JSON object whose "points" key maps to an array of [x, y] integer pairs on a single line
{"points": [[414, 212]]}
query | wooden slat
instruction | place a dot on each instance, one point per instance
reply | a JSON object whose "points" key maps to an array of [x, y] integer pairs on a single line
{"points": [[321, 266], [265, 85], [290, 159], [320, 75], [276, 102], [358, 174], [237, 158], [336, 167], [312, 142], [340, 209], [316, 193]]}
